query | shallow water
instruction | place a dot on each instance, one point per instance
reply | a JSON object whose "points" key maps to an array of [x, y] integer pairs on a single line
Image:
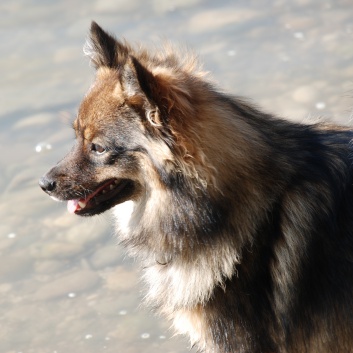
{"points": [[65, 284]]}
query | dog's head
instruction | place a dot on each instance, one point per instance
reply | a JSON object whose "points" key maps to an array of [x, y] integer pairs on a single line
{"points": [[126, 129]]}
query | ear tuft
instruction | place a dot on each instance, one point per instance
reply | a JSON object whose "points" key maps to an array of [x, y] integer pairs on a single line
{"points": [[153, 118], [140, 86], [103, 49], [137, 79]]}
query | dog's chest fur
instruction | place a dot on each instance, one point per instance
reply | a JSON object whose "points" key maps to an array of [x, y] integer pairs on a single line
{"points": [[179, 288]]}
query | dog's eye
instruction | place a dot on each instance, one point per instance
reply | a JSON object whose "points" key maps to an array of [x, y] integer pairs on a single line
{"points": [[98, 149]]}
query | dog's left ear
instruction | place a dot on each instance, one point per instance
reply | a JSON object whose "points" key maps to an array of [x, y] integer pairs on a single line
{"points": [[138, 83], [103, 49]]}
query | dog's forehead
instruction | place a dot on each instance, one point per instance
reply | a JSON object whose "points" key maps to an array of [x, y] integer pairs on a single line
{"points": [[99, 106]]}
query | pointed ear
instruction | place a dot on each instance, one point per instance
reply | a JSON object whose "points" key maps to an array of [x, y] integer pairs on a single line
{"points": [[136, 79], [103, 49], [142, 88]]}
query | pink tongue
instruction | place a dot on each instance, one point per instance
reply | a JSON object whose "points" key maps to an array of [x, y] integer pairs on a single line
{"points": [[72, 206]]}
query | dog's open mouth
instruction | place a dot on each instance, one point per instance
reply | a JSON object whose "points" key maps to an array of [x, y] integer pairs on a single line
{"points": [[107, 195]]}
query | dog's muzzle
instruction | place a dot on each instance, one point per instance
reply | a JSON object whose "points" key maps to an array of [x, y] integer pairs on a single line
{"points": [[48, 185]]}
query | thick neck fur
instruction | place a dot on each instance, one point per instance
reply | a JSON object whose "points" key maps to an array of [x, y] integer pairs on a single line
{"points": [[192, 252], [230, 197]]}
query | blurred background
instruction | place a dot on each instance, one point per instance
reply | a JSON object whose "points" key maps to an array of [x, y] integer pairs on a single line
{"points": [[65, 283]]}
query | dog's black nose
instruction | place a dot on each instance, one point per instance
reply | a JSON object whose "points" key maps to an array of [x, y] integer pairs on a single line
{"points": [[47, 184]]}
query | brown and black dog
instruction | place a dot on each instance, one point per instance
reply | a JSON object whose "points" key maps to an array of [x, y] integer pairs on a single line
{"points": [[243, 221]]}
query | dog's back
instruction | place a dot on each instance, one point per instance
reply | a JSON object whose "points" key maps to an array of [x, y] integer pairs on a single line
{"points": [[291, 215]]}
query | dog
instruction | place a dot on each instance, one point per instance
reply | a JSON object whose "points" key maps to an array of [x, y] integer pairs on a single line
{"points": [[242, 221]]}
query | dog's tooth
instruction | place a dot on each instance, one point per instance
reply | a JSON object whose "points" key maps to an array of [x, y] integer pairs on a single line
{"points": [[82, 204], [104, 191], [111, 186], [116, 182]]}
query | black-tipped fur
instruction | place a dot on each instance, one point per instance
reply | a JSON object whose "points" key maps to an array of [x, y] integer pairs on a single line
{"points": [[243, 221]]}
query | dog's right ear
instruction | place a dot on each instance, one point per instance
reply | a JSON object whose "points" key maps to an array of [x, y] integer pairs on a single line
{"points": [[103, 49]]}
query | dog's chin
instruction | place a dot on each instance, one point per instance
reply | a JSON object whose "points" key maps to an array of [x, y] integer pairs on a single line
{"points": [[107, 195]]}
